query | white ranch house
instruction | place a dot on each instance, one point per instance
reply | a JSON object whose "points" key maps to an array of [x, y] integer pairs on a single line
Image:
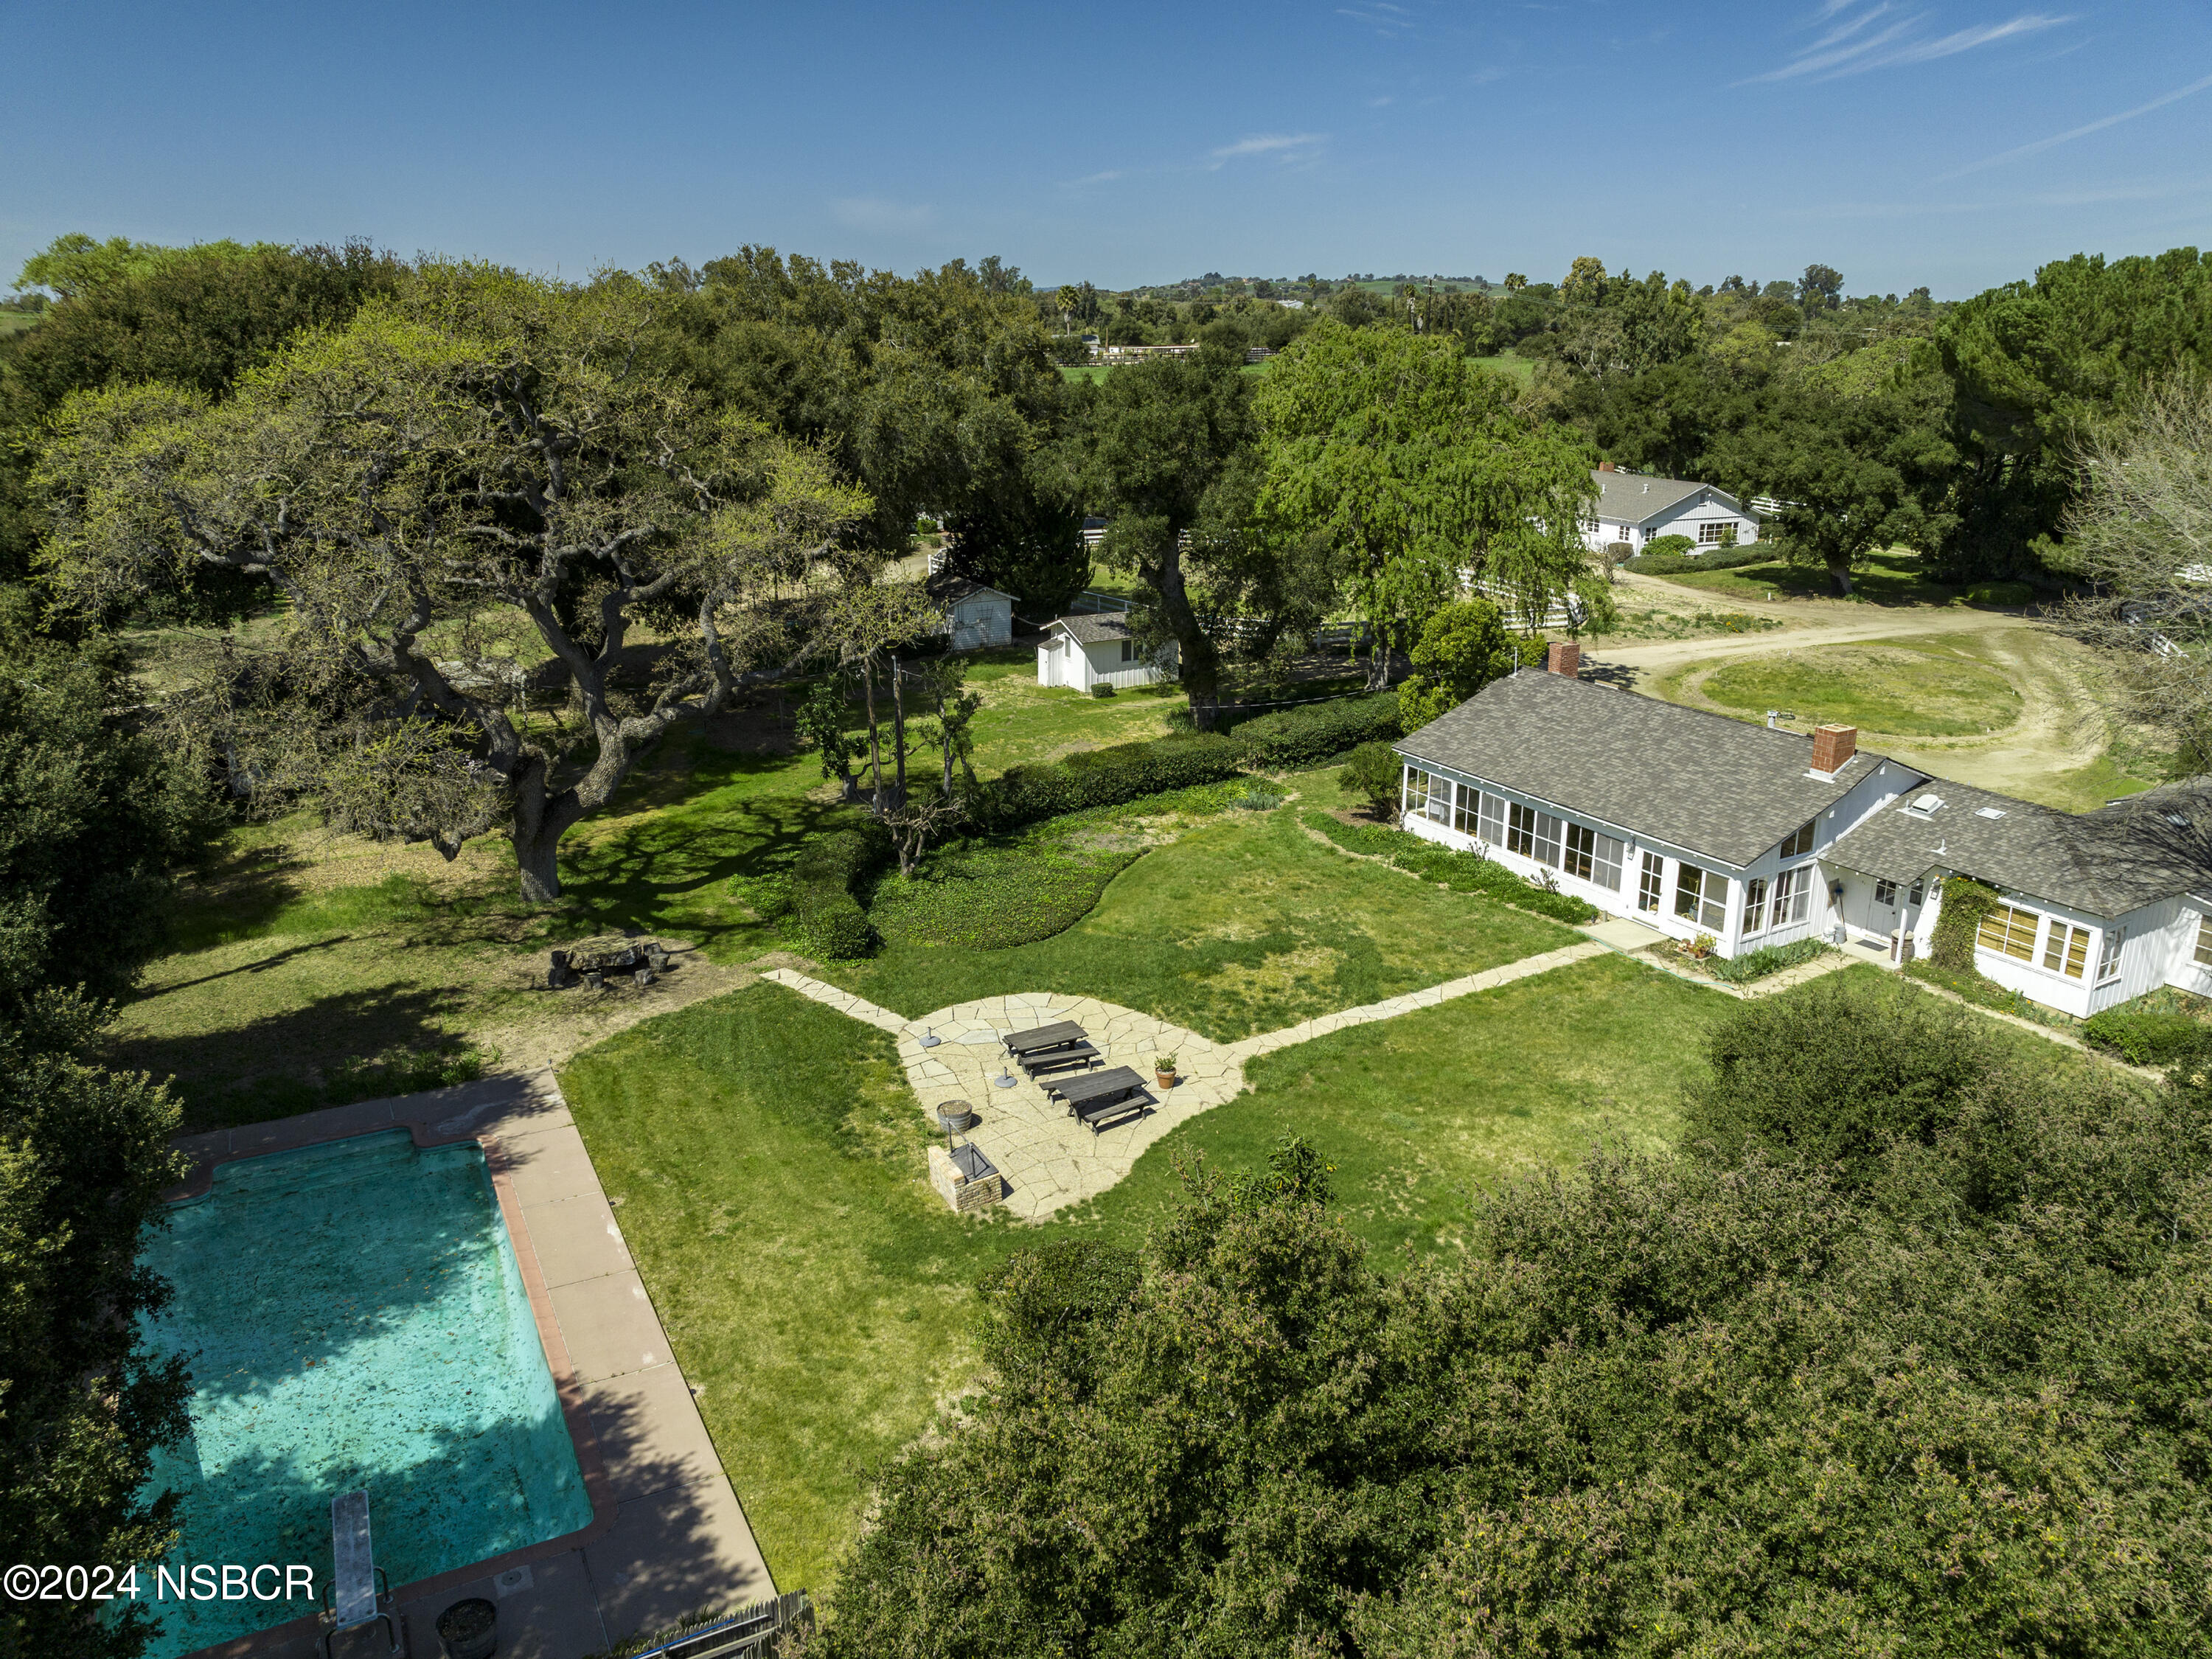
{"points": [[1090, 650], [1633, 511], [1695, 824]]}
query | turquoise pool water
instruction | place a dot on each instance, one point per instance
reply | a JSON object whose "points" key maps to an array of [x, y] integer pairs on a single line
{"points": [[354, 1318]]}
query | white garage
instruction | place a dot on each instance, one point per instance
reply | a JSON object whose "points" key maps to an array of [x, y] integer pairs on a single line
{"points": [[1085, 651]]}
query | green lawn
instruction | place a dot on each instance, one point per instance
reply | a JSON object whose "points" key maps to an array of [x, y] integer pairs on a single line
{"points": [[1891, 577], [1914, 689], [1243, 925], [768, 1163], [1522, 370]]}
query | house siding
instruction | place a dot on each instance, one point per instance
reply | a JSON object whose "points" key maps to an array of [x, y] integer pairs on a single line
{"points": [[1062, 661], [1683, 519]]}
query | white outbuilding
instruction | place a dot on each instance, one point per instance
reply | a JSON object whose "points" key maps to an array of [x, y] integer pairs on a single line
{"points": [[975, 615], [1085, 651]]}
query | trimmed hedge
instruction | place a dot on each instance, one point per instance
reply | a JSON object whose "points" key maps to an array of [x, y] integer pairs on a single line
{"points": [[1103, 777], [1315, 733], [1720, 558], [1769, 959], [2145, 1036], [1463, 872], [823, 902]]}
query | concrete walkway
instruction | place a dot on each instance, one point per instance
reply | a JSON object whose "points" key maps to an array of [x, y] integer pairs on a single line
{"points": [[1048, 1158]]}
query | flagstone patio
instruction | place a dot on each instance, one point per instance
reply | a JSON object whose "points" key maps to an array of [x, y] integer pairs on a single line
{"points": [[1050, 1160]]}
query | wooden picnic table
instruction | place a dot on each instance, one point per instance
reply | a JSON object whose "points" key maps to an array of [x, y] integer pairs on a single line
{"points": [[1086, 1088], [1058, 1034]]}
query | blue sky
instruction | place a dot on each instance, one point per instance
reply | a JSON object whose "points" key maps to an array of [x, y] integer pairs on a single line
{"points": [[1947, 142]]}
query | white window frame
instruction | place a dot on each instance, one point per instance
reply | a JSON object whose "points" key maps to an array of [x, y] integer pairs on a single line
{"points": [[1793, 895], [1593, 856], [2108, 955], [2066, 949], [1799, 842], [1533, 833], [1491, 818], [1717, 532], [1693, 884], [1651, 885], [2204, 938], [1755, 905], [1885, 892]]}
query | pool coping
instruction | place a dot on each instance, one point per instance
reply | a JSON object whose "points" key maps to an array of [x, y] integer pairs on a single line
{"points": [[444, 1117]]}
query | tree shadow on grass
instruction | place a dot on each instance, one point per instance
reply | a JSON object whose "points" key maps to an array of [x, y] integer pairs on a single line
{"points": [[352, 1045]]}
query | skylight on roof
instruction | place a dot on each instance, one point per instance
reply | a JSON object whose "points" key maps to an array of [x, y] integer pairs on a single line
{"points": [[2178, 820], [1988, 811]]}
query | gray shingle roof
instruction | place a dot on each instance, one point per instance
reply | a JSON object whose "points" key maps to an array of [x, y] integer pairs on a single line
{"points": [[952, 589], [1631, 498], [2108, 862], [1696, 780], [1095, 630]]}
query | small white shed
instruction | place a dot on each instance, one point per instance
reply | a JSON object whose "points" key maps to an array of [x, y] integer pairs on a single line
{"points": [[976, 616], [1099, 650]]}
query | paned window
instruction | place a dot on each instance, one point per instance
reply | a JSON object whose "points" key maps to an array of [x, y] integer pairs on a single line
{"points": [[1532, 834], [1417, 793], [1800, 843], [2067, 951], [1885, 892], [1651, 883], [2108, 959], [2204, 939], [1701, 896], [1793, 894], [2010, 931], [1755, 905], [1593, 857], [1465, 811], [1714, 533], [1128, 651], [1494, 820], [1919, 891]]}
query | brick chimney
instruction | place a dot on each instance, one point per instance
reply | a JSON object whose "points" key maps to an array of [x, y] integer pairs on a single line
{"points": [[1605, 466], [1565, 657], [1833, 747]]}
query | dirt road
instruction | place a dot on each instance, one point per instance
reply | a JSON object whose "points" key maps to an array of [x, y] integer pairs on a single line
{"points": [[1805, 621]]}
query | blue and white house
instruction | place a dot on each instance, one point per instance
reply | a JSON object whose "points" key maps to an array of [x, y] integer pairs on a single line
{"points": [[1633, 510], [1700, 825]]}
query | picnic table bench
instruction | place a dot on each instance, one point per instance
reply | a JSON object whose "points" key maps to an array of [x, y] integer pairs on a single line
{"points": [[1058, 1034], [1076, 1056], [1099, 1099]]}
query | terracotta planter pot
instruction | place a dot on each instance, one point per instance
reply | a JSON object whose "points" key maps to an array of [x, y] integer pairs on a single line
{"points": [[1167, 1079]]}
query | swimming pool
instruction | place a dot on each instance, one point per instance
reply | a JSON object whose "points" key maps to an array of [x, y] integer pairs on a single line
{"points": [[354, 1318]]}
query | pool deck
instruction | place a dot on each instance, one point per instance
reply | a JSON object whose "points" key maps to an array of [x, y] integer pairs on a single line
{"points": [[668, 1537]]}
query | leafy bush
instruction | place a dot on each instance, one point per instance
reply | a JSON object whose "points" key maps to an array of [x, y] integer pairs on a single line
{"points": [[1317, 732], [1102, 688], [2145, 1036], [2000, 593], [1675, 564], [1376, 772], [1463, 872], [993, 898], [1772, 959], [1964, 904], [824, 904], [1103, 777], [1831, 1074], [1666, 547]]}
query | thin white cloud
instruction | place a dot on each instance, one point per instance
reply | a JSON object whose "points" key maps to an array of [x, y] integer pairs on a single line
{"points": [[1856, 46], [1283, 146], [874, 213], [2081, 132], [1105, 178]]}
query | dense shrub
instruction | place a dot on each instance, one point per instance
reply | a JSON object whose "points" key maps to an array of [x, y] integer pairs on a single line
{"points": [[1317, 734], [1832, 1073], [824, 904], [1964, 904], [1664, 547], [992, 898], [1463, 872], [1676, 564], [1376, 772], [2146, 1037], [1771, 959], [1103, 777], [1651, 1408]]}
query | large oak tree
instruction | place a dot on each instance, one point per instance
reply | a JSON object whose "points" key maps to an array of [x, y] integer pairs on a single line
{"points": [[481, 449]]}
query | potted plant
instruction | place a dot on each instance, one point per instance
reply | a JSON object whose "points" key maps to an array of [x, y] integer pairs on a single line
{"points": [[1163, 1067]]}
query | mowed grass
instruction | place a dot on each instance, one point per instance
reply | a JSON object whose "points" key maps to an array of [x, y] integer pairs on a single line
{"points": [[1245, 925], [1893, 576], [767, 1162], [1931, 690]]}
